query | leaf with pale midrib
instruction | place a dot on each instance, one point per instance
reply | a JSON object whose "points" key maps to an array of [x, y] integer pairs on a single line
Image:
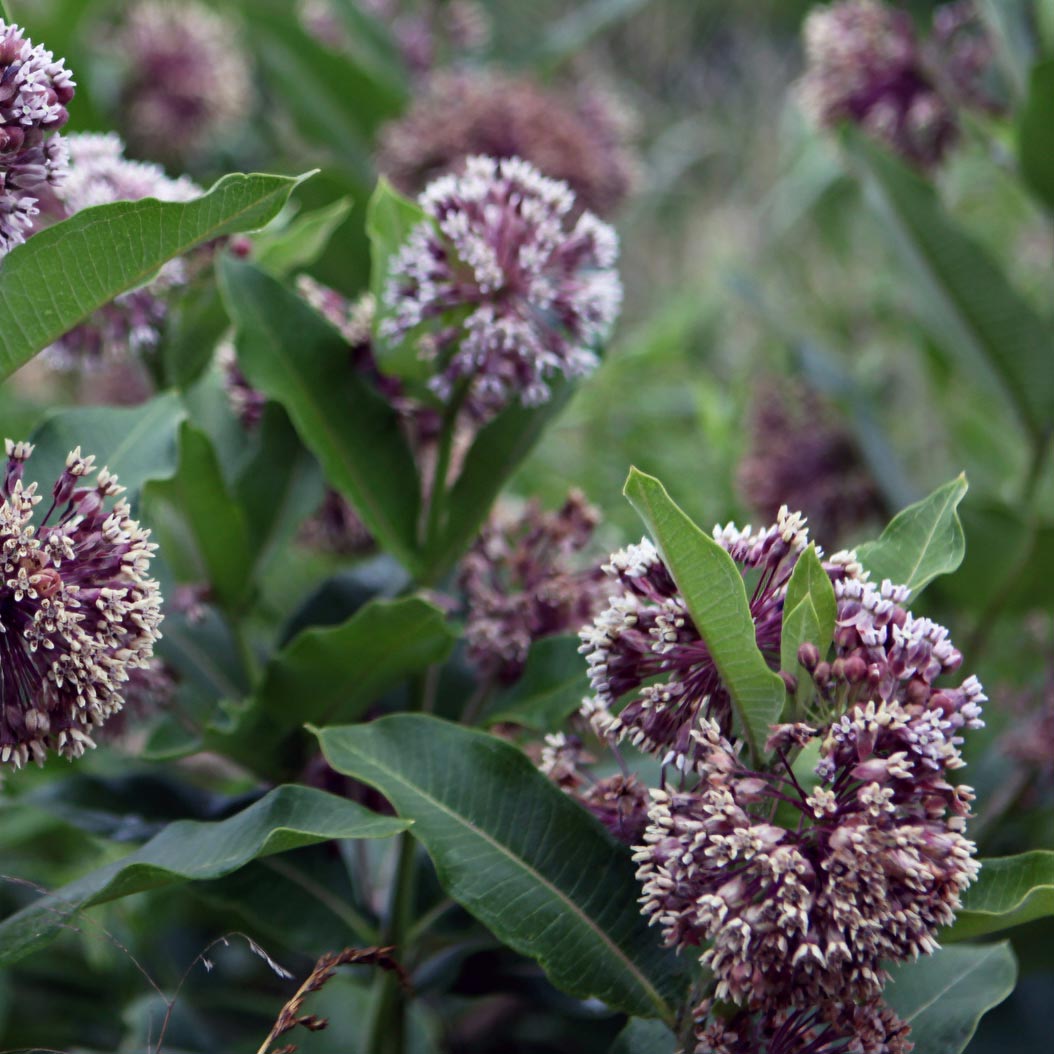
{"points": [[518, 854]]}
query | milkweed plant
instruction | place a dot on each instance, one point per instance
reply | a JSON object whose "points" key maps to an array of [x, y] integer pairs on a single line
{"points": [[348, 702]]}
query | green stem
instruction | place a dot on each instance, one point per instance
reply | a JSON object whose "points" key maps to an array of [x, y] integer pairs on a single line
{"points": [[3, 12]]}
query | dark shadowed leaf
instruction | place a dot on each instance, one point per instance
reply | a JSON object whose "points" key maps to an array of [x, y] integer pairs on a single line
{"points": [[713, 589], [291, 354], [519, 855], [190, 850], [1035, 134], [921, 542], [644, 1037], [139, 444], [1009, 891], [65, 273], [551, 688], [943, 996]]}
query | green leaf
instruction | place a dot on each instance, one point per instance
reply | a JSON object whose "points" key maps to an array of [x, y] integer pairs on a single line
{"points": [[981, 314], [498, 450], [519, 855], [921, 542], [569, 34], [551, 688], [65, 273], [189, 850], [644, 1037], [216, 521], [716, 596], [1035, 134], [297, 359], [390, 218], [809, 611], [139, 444], [197, 323], [332, 674], [1010, 891], [943, 996], [301, 243]]}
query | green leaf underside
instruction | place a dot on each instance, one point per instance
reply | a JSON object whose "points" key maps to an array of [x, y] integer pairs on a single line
{"points": [[644, 1037], [518, 854], [809, 611], [1009, 891], [944, 995], [716, 596], [551, 688], [983, 316], [137, 443], [189, 850], [297, 359], [65, 273], [921, 542]]}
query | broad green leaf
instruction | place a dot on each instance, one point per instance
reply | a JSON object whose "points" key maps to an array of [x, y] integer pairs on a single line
{"points": [[498, 450], [644, 1037], [332, 674], [302, 242], [1035, 134], [716, 596], [921, 542], [1009, 891], [139, 444], [216, 520], [982, 314], [551, 688], [809, 611], [198, 321], [190, 850], [943, 996], [390, 218], [297, 359], [519, 855], [65, 273]]}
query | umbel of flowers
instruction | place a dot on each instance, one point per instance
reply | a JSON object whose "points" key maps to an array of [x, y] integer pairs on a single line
{"points": [[500, 289], [34, 91], [795, 884], [78, 610]]}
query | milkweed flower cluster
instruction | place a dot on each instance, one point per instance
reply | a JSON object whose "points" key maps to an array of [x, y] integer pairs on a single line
{"points": [[520, 585], [187, 81], [78, 610], [578, 138], [797, 886], [499, 288], [35, 89], [865, 64], [800, 454], [99, 174]]}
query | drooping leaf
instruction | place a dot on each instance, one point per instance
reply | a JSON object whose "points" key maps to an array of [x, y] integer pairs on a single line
{"points": [[217, 522], [498, 450], [552, 685], [981, 314], [644, 1037], [943, 996], [809, 611], [65, 273], [139, 443], [291, 354], [190, 850], [302, 242], [518, 854], [921, 542], [716, 596], [1009, 892]]}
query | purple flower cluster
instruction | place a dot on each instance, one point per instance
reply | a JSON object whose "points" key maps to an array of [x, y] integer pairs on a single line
{"points": [[500, 290], [78, 612], [99, 174], [187, 82], [35, 89], [519, 585], [865, 64]]}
